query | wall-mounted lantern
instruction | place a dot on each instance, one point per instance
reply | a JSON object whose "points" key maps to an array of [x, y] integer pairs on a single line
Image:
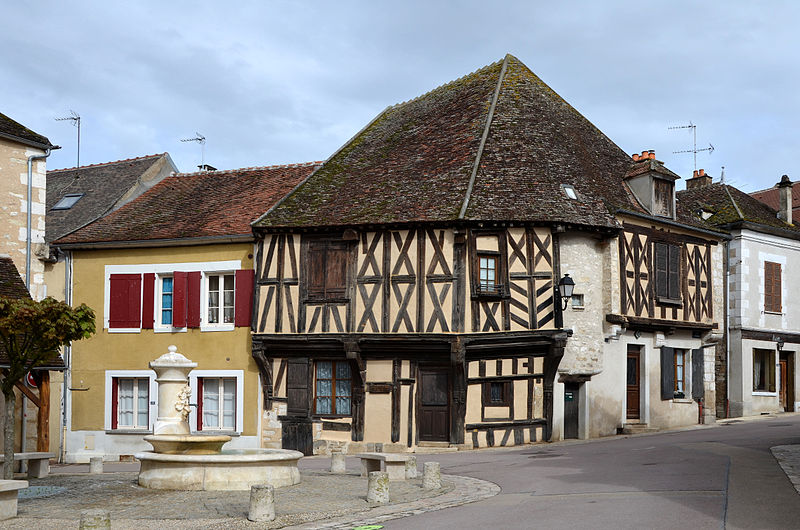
{"points": [[565, 287]]}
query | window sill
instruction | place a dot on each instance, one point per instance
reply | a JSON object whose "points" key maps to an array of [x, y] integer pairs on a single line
{"points": [[579, 308], [669, 301], [321, 417], [170, 330], [128, 431], [773, 312], [227, 327], [124, 330], [764, 393], [212, 432], [682, 400]]}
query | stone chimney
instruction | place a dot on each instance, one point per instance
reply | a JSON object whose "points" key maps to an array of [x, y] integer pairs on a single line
{"points": [[785, 189], [699, 180]]}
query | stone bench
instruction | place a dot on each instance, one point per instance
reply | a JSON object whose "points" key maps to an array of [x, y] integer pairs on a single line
{"points": [[8, 497], [394, 464], [38, 463]]}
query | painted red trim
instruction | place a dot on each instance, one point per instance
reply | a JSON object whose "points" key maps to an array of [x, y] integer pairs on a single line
{"points": [[245, 279], [179, 299], [193, 300], [148, 300], [114, 404], [125, 298]]}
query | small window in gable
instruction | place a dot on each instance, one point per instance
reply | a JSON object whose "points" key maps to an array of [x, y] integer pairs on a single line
{"points": [[570, 192], [663, 197], [67, 201]]}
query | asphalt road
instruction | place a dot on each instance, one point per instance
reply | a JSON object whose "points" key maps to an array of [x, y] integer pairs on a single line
{"points": [[716, 477]]}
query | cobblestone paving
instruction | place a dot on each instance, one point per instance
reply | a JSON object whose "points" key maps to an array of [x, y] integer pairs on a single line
{"points": [[332, 500]]}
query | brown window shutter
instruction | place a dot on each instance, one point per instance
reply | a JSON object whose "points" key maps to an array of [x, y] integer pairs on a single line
{"points": [[674, 291], [179, 299], [316, 270], [698, 374], [667, 373], [661, 269], [244, 297], [771, 371], [148, 300], [772, 287], [336, 272], [193, 299], [125, 299]]}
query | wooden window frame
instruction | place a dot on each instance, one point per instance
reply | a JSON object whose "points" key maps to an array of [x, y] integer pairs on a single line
{"points": [[773, 302], [680, 381], [201, 387], [333, 396], [501, 288], [768, 367], [670, 276], [115, 405], [160, 308], [221, 306], [507, 393], [667, 185], [327, 247]]}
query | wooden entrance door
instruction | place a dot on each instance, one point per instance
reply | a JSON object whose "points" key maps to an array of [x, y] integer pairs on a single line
{"points": [[434, 404], [786, 390], [633, 377]]}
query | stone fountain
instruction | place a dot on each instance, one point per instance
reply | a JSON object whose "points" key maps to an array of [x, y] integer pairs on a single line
{"points": [[184, 461]]}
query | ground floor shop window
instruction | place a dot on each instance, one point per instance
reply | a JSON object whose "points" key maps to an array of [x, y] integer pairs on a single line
{"points": [[332, 388], [763, 370]]}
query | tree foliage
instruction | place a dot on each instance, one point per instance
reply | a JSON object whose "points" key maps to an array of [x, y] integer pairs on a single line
{"points": [[32, 333]]}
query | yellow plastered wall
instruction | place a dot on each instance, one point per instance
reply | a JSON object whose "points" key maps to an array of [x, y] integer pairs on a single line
{"points": [[378, 407], [221, 350]]}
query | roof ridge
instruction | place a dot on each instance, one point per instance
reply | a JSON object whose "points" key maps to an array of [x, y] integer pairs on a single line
{"points": [[250, 168], [484, 136], [107, 163], [445, 85]]}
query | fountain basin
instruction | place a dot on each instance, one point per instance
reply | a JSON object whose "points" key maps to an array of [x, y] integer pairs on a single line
{"points": [[186, 444], [232, 469]]}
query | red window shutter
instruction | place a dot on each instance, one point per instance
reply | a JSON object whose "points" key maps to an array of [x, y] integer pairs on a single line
{"points": [[244, 297], [193, 300], [125, 300], [179, 299], [114, 403], [199, 403], [148, 299]]}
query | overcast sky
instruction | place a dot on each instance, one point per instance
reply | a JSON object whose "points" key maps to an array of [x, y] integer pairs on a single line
{"points": [[270, 82]]}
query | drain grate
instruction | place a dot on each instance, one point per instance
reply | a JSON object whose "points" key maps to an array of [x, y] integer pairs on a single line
{"points": [[36, 492]]}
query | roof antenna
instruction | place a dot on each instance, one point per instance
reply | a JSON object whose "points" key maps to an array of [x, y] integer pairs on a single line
{"points": [[722, 175], [694, 148], [75, 118], [200, 139]]}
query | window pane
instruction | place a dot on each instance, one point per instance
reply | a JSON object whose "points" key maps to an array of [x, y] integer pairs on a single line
{"points": [[323, 405], [343, 405], [142, 404], [213, 283], [125, 402], [229, 403], [343, 388], [228, 314], [497, 392], [343, 370], [210, 402], [324, 387], [324, 370], [166, 317], [166, 301], [229, 282]]}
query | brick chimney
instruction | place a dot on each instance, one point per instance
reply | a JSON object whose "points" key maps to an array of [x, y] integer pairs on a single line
{"points": [[646, 155], [785, 189], [699, 180]]}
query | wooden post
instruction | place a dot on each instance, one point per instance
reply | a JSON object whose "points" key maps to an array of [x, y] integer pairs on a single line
{"points": [[43, 416]]}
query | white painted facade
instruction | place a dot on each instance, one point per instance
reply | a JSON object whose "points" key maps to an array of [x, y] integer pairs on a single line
{"points": [[751, 327]]}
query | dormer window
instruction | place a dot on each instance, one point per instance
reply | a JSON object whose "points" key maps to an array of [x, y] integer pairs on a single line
{"points": [[663, 197]]}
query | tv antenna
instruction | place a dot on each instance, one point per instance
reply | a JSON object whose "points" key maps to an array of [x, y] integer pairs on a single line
{"points": [[75, 118], [200, 139], [694, 148]]}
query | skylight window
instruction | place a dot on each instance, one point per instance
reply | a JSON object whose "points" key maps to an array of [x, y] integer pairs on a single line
{"points": [[570, 191], [67, 201]]}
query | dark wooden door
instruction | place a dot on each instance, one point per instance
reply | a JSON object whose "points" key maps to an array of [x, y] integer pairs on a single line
{"points": [[786, 393], [571, 410], [633, 377], [434, 414]]}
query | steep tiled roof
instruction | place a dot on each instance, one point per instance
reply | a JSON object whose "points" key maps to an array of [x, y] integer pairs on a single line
{"points": [[17, 131], [11, 284], [204, 204], [730, 206], [424, 160], [102, 187], [772, 198]]}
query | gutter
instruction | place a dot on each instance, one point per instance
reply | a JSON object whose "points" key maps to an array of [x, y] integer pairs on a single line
{"points": [[29, 143], [154, 243], [676, 224], [29, 205]]}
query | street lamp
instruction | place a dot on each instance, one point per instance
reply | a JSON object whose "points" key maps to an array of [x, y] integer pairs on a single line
{"points": [[565, 287]]}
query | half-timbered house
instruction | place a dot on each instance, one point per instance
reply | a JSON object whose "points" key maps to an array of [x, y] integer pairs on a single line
{"points": [[406, 291]]}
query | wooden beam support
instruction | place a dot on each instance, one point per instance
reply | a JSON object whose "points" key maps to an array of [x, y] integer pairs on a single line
{"points": [[43, 416]]}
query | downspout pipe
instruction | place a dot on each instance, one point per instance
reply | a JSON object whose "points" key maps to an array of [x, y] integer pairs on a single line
{"points": [[29, 205]]}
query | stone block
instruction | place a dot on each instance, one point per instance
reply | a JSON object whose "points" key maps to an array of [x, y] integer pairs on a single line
{"points": [[431, 476], [95, 519], [96, 465], [411, 467], [378, 487], [338, 464], [8, 497], [262, 503]]}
